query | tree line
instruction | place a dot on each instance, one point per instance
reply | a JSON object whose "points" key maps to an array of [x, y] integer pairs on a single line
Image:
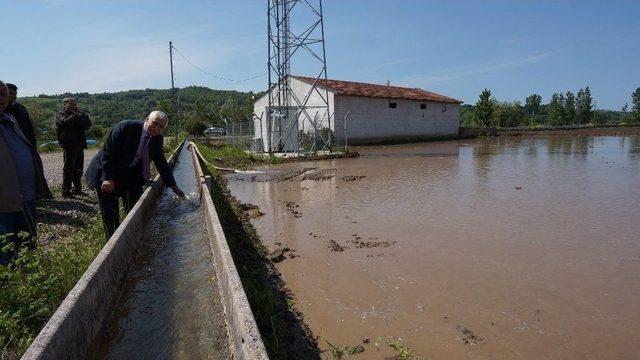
{"points": [[199, 107], [562, 109]]}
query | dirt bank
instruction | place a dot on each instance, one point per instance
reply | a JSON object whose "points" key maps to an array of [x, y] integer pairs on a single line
{"points": [[600, 130]]}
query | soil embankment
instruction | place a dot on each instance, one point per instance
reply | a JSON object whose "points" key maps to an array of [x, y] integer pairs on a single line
{"points": [[601, 130]]}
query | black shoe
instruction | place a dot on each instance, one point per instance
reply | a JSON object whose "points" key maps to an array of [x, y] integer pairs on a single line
{"points": [[79, 192], [67, 195]]}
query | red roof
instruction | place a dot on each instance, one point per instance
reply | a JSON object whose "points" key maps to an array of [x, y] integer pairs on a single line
{"points": [[352, 88]]}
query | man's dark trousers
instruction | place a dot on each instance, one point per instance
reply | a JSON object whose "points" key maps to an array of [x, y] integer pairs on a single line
{"points": [[109, 206], [72, 169]]}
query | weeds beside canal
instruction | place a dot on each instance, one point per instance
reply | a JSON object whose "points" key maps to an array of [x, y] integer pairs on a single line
{"points": [[33, 285], [237, 158], [284, 334]]}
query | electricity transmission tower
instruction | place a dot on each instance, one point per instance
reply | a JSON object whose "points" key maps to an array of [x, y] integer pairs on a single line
{"points": [[296, 36]]}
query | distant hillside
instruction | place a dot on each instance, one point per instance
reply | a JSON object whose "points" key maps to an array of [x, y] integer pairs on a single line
{"points": [[199, 106]]}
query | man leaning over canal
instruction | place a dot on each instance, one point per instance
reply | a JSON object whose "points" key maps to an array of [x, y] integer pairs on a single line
{"points": [[121, 168], [20, 183]]}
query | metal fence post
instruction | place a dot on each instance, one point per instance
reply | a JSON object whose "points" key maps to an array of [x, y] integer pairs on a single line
{"points": [[344, 125]]}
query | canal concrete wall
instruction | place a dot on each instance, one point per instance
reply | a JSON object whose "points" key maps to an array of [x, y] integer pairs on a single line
{"points": [[80, 320], [244, 335]]}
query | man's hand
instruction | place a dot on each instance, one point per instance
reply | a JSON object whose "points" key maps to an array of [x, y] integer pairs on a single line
{"points": [[177, 191], [107, 186]]}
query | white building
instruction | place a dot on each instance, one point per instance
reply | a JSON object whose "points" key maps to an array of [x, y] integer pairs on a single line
{"points": [[373, 113]]}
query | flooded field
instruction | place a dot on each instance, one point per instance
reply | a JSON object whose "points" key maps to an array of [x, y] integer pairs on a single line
{"points": [[498, 248], [171, 308]]}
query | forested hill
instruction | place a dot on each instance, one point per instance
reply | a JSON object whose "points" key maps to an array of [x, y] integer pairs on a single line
{"points": [[199, 106]]}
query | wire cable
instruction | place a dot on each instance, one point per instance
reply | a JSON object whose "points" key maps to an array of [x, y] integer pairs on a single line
{"points": [[213, 75]]}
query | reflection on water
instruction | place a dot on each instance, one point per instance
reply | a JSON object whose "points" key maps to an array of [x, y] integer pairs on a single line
{"points": [[493, 248], [171, 308]]}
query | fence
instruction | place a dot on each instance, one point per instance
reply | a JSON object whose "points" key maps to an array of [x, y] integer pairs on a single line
{"points": [[284, 136], [239, 133]]}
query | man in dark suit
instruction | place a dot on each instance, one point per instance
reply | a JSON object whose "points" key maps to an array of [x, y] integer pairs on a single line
{"points": [[121, 167]]}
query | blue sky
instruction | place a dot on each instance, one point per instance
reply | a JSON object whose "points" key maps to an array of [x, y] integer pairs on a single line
{"points": [[456, 48]]}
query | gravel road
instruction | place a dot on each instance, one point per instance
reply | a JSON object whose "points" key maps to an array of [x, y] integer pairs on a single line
{"points": [[52, 163]]}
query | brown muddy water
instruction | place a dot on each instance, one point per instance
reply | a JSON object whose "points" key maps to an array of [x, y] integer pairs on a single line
{"points": [[497, 248], [171, 308]]}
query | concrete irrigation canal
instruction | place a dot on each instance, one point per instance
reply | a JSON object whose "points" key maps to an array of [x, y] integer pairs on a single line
{"points": [[164, 286]]}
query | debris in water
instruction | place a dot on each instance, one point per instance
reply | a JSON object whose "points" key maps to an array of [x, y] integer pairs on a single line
{"points": [[371, 243], [352, 177], [292, 206], [319, 175], [250, 211], [335, 247], [467, 336], [279, 254]]}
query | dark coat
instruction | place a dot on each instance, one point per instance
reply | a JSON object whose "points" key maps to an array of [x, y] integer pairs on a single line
{"points": [[10, 199], [21, 115], [70, 128], [113, 160]]}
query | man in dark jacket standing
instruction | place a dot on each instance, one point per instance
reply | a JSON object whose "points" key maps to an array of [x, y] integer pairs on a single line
{"points": [[21, 182], [71, 123], [121, 168], [21, 115]]}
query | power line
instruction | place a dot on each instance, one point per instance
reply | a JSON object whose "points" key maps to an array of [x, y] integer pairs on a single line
{"points": [[213, 75]]}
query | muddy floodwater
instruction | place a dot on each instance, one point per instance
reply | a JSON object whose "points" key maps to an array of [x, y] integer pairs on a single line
{"points": [[497, 248], [170, 308]]}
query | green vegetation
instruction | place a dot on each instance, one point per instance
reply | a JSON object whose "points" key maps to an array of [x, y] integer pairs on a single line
{"points": [[635, 109], [284, 336], [405, 351], [337, 352], [199, 107], [237, 158], [484, 109], [563, 109], [34, 284]]}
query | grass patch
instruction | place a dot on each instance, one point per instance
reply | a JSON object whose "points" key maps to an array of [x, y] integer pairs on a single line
{"points": [[404, 350], [284, 334], [237, 158], [34, 284]]}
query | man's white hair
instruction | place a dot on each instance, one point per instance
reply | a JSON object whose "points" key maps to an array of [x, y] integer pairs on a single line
{"points": [[158, 115]]}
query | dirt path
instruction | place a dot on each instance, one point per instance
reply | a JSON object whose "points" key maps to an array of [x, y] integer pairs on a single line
{"points": [[52, 163]]}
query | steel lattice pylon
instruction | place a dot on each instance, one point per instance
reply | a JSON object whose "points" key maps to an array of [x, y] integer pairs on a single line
{"points": [[295, 32]]}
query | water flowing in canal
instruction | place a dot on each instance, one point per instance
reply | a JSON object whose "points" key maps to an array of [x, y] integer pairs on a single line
{"points": [[496, 248], [171, 308]]}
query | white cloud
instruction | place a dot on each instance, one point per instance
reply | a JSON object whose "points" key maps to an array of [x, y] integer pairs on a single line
{"points": [[455, 74], [390, 63]]}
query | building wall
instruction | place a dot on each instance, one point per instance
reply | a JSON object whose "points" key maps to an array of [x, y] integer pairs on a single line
{"points": [[371, 119], [300, 88]]}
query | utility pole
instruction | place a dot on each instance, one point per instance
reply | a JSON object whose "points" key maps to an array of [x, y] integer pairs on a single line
{"points": [[174, 97]]}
